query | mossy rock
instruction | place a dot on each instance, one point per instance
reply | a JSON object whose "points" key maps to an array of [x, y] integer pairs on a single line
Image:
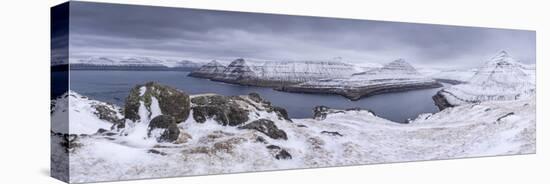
{"points": [[169, 131], [171, 101], [267, 127], [222, 109]]}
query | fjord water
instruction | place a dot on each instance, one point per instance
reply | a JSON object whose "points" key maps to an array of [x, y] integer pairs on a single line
{"points": [[114, 86]]}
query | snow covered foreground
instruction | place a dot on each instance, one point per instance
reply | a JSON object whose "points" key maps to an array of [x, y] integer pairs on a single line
{"points": [[331, 138]]}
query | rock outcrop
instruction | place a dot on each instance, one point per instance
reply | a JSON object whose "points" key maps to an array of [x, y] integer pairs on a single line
{"points": [[223, 109], [163, 128], [267, 127], [157, 99]]}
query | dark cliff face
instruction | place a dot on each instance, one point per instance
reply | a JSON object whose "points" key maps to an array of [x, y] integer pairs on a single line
{"points": [[440, 100]]}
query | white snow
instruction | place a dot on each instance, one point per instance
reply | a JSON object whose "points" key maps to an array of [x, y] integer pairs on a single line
{"points": [[398, 72], [142, 90], [282, 71], [155, 109], [79, 113], [501, 78], [469, 130]]}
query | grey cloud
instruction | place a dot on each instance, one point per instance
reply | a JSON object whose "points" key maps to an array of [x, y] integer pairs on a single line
{"points": [[103, 29]]}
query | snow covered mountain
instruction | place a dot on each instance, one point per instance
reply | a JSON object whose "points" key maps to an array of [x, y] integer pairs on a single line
{"points": [[454, 76], [209, 70], [132, 63], [274, 73], [501, 78], [397, 75], [225, 134]]}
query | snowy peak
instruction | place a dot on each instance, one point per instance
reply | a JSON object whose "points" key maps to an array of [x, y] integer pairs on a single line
{"points": [[238, 68], [502, 70], [395, 68], [214, 63], [501, 78], [400, 65], [503, 59]]}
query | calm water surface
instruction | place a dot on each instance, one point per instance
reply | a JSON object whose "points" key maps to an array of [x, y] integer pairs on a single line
{"points": [[114, 86]]}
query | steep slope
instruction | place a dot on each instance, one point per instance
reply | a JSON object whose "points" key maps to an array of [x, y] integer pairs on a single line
{"points": [[397, 75], [209, 70], [276, 73], [501, 78], [266, 140]]}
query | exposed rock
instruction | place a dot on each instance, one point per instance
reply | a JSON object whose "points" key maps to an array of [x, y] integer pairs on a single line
{"points": [[107, 113], [282, 113], [332, 133], [171, 101], [280, 154], [283, 155], [255, 97], [154, 151], [506, 115], [320, 112], [222, 109], [261, 140], [273, 147], [101, 131], [440, 100], [267, 127], [166, 128], [70, 142]]}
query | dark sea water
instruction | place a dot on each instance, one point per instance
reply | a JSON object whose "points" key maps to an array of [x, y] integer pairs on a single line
{"points": [[114, 86]]}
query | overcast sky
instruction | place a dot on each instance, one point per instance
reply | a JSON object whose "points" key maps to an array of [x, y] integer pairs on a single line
{"points": [[203, 35]]}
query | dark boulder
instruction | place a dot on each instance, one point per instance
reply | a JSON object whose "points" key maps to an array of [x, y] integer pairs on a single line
{"points": [[283, 155], [280, 153], [154, 151], [224, 110], [171, 101], [255, 97], [107, 112], [267, 127], [320, 112], [168, 127], [281, 112]]}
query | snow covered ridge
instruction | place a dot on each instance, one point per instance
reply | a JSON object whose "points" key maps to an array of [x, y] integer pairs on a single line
{"points": [[395, 76], [332, 77], [274, 73], [106, 63], [164, 132], [501, 78]]}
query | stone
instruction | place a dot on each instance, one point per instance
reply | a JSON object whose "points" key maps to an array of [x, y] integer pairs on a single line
{"points": [[267, 127], [171, 101], [222, 109], [166, 127]]}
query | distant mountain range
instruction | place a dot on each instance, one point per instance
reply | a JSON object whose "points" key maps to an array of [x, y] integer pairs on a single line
{"points": [[133, 63]]}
